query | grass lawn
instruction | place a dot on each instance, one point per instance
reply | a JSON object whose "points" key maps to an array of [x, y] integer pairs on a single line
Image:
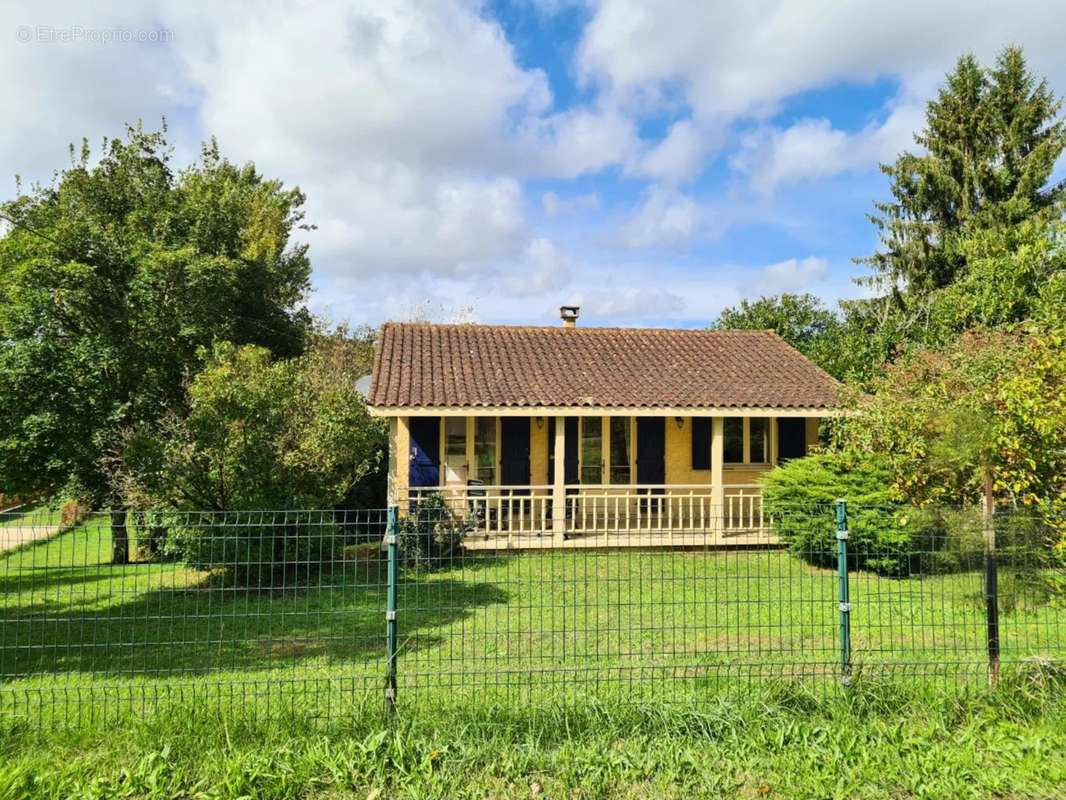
{"points": [[775, 742], [79, 636], [681, 674]]}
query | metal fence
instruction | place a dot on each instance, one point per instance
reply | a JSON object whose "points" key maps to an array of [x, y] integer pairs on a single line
{"points": [[330, 613]]}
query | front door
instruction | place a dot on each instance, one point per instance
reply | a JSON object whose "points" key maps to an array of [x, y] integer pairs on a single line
{"points": [[514, 451], [651, 450], [455, 464], [425, 452]]}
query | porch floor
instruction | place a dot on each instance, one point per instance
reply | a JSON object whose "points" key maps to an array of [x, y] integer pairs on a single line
{"points": [[622, 539]]}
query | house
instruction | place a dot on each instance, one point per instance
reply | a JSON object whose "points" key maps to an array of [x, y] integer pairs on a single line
{"points": [[574, 436]]}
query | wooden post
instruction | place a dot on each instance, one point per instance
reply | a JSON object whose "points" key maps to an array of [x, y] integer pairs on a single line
{"points": [[717, 474], [403, 464], [559, 482]]}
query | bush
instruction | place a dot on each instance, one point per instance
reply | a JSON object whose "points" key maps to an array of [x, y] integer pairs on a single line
{"points": [[256, 549], [883, 535], [431, 533]]}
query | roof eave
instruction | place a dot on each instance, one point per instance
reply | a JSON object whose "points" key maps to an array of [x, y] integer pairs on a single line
{"points": [[608, 411]]}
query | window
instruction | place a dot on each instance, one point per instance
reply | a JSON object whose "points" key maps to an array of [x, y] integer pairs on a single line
{"points": [[701, 442], [734, 440], [455, 466], [591, 450], [758, 440], [620, 448], [485, 449]]}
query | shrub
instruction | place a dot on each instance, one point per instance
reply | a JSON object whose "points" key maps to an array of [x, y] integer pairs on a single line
{"points": [[255, 549], [431, 533], [884, 535]]}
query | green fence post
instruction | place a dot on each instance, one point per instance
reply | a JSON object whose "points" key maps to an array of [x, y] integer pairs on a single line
{"points": [[844, 595], [390, 612]]}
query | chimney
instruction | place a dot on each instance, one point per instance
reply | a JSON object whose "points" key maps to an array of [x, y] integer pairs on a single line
{"points": [[569, 315]]}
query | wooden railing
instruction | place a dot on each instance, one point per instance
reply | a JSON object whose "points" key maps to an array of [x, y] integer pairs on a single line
{"points": [[643, 509]]}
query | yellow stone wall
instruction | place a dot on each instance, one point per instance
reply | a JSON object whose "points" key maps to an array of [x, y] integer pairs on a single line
{"points": [[679, 455], [812, 431], [744, 473]]}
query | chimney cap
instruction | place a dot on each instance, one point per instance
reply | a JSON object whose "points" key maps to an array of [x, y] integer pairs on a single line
{"points": [[569, 313]]}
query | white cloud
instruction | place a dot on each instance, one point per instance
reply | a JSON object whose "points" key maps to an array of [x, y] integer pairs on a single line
{"points": [[812, 148], [666, 218], [556, 206], [792, 275], [55, 93], [733, 61], [397, 220], [680, 155], [544, 269], [409, 125], [630, 301], [737, 58], [414, 128], [574, 142]]}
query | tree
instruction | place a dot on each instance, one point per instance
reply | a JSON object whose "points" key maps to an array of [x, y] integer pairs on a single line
{"points": [[802, 320], [983, 420], [258, 434], [991, 141], [1014, 273], [113, 278]]}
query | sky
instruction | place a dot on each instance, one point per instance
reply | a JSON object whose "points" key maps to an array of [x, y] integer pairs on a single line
{"points": [[650, 162]]}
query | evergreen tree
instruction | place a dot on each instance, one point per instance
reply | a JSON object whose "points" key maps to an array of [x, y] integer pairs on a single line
{"points": [[991, 141]]}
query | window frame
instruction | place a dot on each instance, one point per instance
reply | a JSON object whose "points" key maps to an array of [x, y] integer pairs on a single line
{"points": [[582, 421], [495, 425], [610, 465], [765, 460], [725, 440]]}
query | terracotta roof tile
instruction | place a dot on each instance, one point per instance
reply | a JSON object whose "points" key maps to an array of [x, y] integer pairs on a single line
{"points": [[464, 366]]}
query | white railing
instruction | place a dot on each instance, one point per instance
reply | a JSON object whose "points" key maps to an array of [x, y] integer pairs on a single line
{"points": [[634, 509]]}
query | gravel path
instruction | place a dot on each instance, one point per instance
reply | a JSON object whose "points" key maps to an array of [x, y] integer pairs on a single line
{"points": [[11, 536]]}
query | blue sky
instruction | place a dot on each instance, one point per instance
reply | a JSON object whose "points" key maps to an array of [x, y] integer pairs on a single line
{"points": [[462, 160]]}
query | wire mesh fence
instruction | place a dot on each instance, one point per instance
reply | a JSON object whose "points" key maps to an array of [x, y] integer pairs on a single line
{"points": [[329, 613]]}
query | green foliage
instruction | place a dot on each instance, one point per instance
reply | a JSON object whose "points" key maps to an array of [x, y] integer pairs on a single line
{"points": [[257, 549], [991, 141], [259, 434], [1013, 274], [802, 320], [431, 533], [113, 278], [884, 535], [986, 413]]}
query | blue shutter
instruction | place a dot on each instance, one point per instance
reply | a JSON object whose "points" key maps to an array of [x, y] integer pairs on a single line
{"points": [[701, 442]]}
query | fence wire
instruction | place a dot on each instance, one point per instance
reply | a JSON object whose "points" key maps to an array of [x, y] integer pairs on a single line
{"points": [[269, 613]]}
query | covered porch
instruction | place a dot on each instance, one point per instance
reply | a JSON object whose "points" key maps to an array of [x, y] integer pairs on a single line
{"points": [[597, 477]]}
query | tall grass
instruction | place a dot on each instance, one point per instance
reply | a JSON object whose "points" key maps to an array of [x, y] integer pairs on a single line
{"points": [[779, 740]]}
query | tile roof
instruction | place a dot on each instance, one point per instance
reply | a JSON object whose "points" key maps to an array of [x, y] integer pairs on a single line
{"points": [[419, 365]]}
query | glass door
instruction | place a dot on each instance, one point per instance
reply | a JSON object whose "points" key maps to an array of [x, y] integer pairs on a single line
{"points": [[456, 467]]}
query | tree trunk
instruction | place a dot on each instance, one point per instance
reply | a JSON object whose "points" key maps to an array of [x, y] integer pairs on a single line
{"points": [[120, 540]]}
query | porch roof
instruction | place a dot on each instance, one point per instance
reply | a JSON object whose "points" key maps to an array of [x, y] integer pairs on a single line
{"points": [[421, 365]]}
